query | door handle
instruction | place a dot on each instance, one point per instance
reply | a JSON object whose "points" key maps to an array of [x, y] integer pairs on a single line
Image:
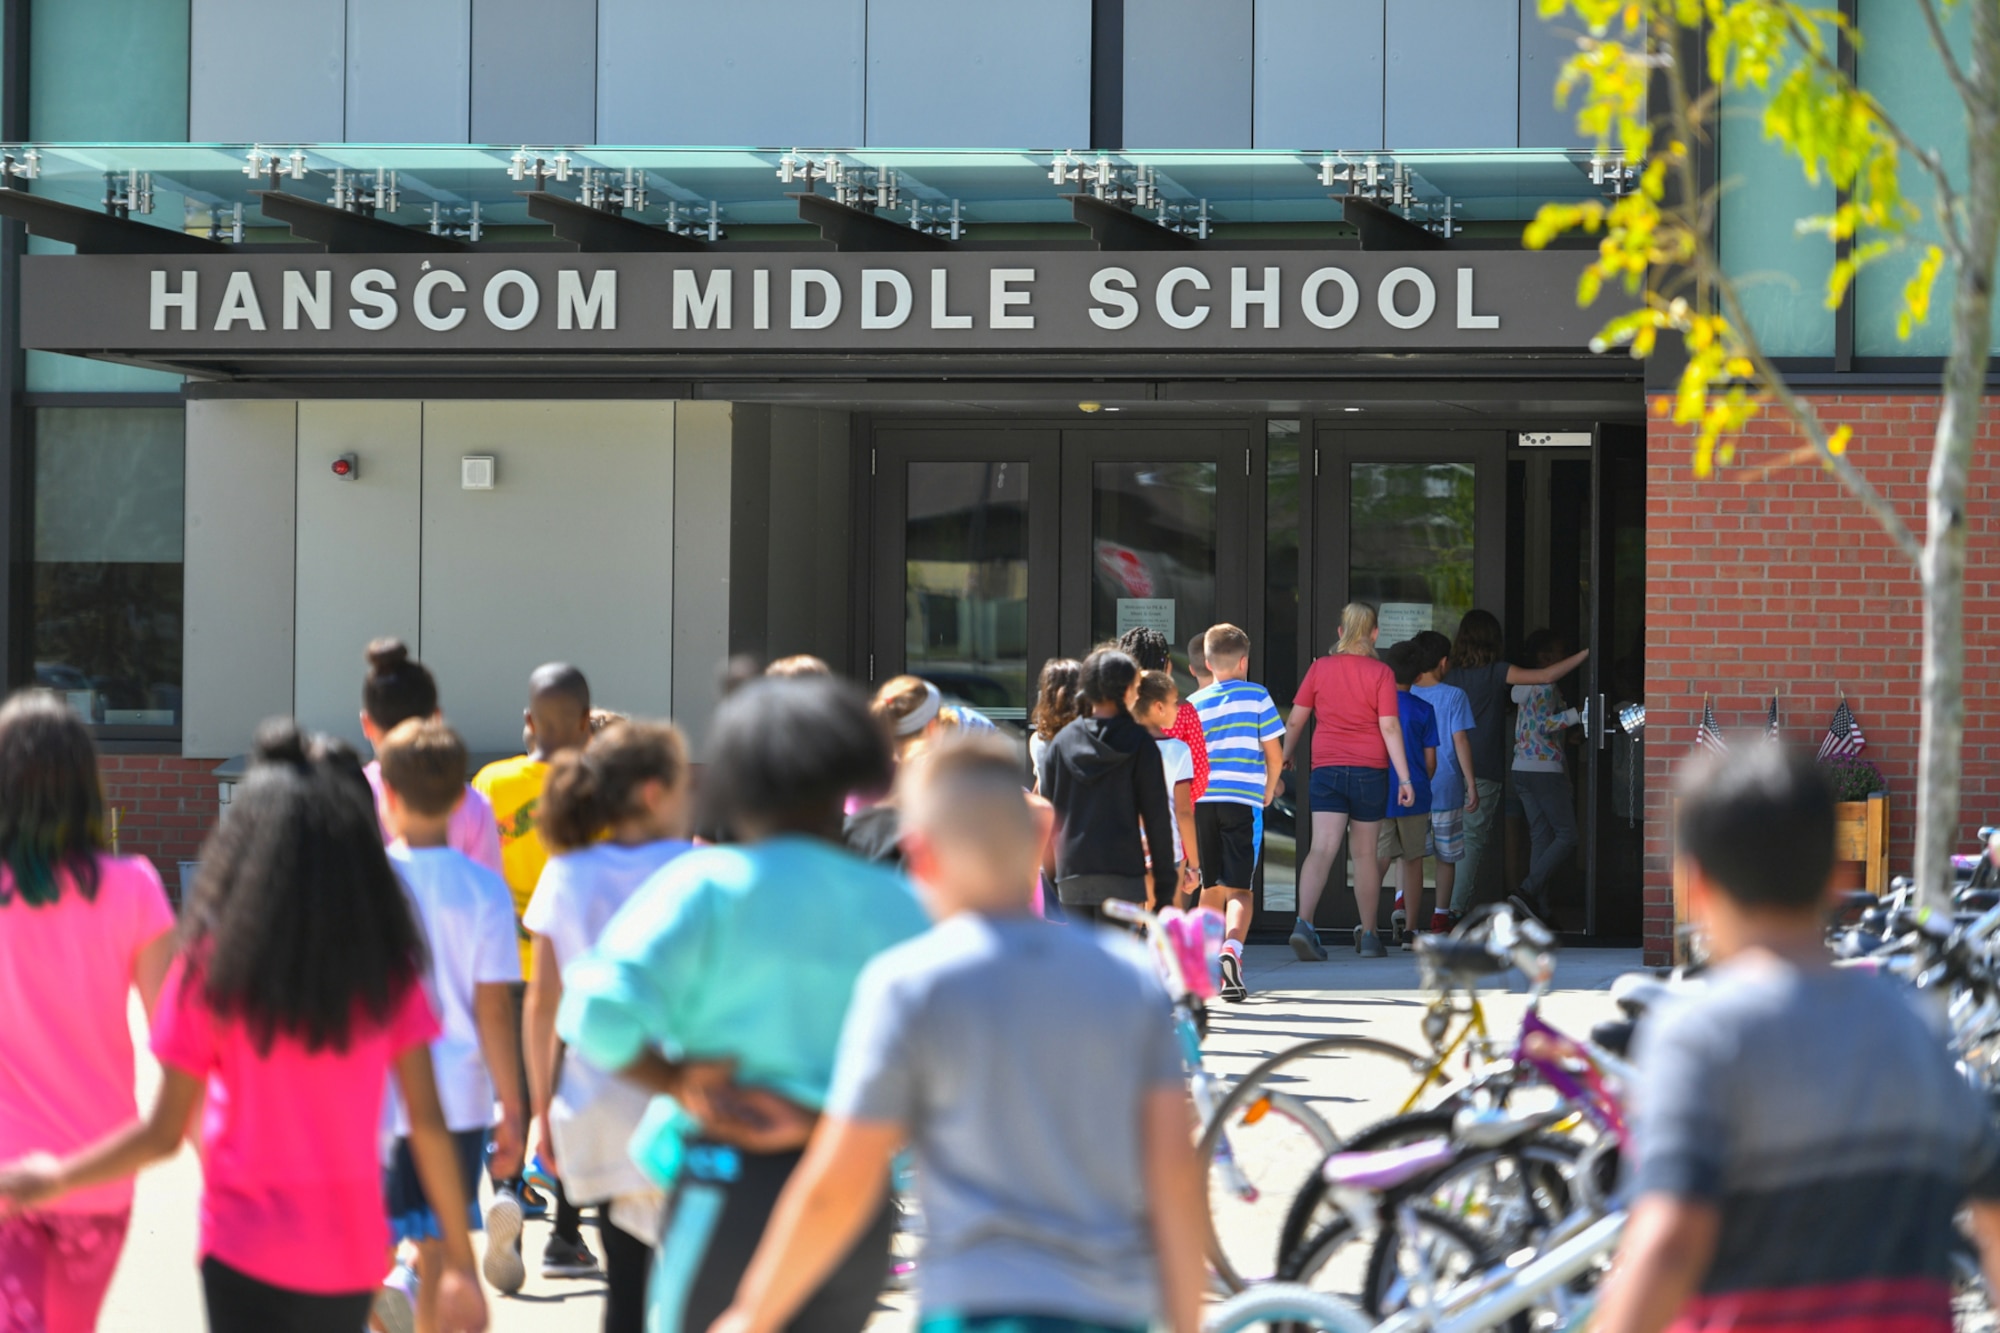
{"points": [[1603, 724]]}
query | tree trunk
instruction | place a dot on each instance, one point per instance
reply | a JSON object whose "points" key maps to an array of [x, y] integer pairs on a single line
{"points": [[1940, 752]]}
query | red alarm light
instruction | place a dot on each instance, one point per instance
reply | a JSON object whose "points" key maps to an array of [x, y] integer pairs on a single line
{"points": [[346, 466]]}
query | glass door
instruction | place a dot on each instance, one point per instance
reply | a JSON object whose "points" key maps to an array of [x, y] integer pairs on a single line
{"points": [[1614, 837], [1411, 521], [965, 548]]}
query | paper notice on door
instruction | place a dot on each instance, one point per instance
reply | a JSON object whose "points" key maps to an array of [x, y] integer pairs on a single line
{"points": [[1402, 620], [1148, 613]]}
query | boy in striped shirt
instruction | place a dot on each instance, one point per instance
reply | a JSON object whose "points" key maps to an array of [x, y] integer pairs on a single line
{"points": [[1245, 765]]}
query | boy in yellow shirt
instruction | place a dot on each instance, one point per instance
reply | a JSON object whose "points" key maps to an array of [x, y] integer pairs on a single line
{"points": [[557, 718]]}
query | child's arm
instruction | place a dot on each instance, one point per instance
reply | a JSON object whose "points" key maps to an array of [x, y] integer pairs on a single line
{"points": [[1548, 675], [461, 1307], [40, 1177], [827, 1203], [1174, 1198], [1274, 767], [1461, 744], [493, 1012], [1667, 1249], [1430, 761], [1184, 818]]}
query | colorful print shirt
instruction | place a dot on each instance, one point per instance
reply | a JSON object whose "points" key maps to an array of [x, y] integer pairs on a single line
{"points": [[513, 787], [1538, 728]]}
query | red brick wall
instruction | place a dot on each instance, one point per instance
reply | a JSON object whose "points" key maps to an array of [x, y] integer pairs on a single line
{"points": [[1787, 583], [166, 806]]}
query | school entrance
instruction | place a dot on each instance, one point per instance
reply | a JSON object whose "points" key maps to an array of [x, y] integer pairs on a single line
{"points": [[988, 546]]}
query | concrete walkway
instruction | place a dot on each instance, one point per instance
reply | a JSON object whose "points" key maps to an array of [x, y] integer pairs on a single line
{"points": [[157, 1291]]}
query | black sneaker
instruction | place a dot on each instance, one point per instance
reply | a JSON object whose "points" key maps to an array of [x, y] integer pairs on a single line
{"points": [[568, 1258], [1233, 988]]}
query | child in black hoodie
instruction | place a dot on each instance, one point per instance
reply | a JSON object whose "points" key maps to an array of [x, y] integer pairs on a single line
{"points": [[1102, 773]]}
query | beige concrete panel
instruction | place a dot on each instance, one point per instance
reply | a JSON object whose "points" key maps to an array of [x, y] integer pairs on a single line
{"points": [[568, 558], [237, 622], [702, 436], [359, 541]]}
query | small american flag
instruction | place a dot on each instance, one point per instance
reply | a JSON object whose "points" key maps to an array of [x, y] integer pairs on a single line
{"points": [[1771, 723], [1843, 735], [1709, 736]]}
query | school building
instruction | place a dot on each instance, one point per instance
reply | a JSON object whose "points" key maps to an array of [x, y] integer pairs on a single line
{"points": [[928, 335]]}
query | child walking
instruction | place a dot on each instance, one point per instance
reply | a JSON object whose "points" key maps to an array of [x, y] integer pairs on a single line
{"points": [[1454, 786], [468, 921], [1051, 1148], [1404, 839], [1148, 647], [396, 689], [612, 814], [298, 987], [80, 929], [1158, 706], [1245, 736], [1541, 775]]}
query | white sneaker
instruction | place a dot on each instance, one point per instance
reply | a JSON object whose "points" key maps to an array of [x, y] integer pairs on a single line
{"points": [[395, 1305], [503, 1265]]}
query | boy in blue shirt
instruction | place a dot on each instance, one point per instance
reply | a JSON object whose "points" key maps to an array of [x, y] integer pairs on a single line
{"points": [[1405, 836], [1245, 738], [1453, 793]]}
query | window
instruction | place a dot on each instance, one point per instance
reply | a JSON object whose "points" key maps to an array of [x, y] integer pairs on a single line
{"points": [[107, 572]]}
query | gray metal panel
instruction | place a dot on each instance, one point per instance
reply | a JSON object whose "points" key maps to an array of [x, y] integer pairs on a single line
{"points": [[702, 439], [408, 70], [236, 646], [974, 74], [359, 542], [1187, 73], [1450, 77], [270, 71], [1319, 74], [534, 72], [771, 73], [1545, 45]]}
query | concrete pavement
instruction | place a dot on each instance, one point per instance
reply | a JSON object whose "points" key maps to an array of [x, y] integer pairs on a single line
{"points": [[157, 1291]]}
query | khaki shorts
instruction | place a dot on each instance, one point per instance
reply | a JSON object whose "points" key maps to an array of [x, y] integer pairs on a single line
{"points": [[1403, 838]]}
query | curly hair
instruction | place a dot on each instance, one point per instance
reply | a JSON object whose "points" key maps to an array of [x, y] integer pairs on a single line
{"points": [[591, 789], [1058, 696]]}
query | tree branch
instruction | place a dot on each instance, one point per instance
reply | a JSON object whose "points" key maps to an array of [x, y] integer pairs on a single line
{"points": [[1953, 70]]}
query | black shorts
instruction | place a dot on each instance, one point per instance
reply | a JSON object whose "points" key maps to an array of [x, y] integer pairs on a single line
{"points": [[1231, 837]]}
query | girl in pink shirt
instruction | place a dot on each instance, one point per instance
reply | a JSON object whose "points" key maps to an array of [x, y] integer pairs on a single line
{"points": [[78, 930], [398, 688], [297, 989]]}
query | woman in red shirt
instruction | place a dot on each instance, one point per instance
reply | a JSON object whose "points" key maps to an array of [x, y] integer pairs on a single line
{"points": [[1350, 697]]}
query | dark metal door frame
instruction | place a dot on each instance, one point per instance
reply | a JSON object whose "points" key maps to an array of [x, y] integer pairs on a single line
{"points": [[1605, 440]]}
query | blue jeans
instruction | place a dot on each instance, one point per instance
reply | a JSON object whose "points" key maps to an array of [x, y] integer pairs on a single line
{"points": [[1551, 811]]}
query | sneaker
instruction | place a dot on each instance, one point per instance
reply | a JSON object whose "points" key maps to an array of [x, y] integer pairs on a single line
{"points": [[1520, 905], [1233, 988], [1408, 942], [503, 1266], [568, 1258], [1358, 933], [1371, 946], [537, 1177], [1305, 942], [1443, 923], [395, 1307]]}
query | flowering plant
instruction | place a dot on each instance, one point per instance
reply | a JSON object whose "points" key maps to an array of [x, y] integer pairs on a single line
{"points": [[1852, 779]]}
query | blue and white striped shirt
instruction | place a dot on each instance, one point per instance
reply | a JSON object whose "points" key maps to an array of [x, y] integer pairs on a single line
{"points": [[1237, 717]]}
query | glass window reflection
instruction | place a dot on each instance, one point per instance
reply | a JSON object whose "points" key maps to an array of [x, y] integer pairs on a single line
{"points": [[1153, 538], [965, 612]]}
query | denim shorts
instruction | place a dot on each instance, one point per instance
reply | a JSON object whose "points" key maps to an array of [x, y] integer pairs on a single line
{"points": [[1362, 794]]}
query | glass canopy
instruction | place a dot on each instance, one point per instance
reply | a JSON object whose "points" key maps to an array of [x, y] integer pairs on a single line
{"points": [[199, 187]]}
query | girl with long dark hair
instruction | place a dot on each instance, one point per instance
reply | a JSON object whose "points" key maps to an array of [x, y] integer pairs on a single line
{"points": [[79, 929], [1058, 699], [723, 983], [297, 989]]}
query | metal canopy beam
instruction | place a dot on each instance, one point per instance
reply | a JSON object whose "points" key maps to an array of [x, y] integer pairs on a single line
{"points": [[345, 233], [1381, 229], [595, 231], [1115, 228], [95, 233], [851, 229]]}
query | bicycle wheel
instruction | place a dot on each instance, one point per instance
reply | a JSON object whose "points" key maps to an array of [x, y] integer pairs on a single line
{"points": [[1280, 1303], [1418, 1259], [1311, 1212], [1269, 1135]]}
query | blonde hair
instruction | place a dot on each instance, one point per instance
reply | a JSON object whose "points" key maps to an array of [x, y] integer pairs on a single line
{"points": [[1357, 630]]}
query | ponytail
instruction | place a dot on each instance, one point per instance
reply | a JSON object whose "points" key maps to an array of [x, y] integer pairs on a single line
{"points": [[1107, 677], [591, 789]]}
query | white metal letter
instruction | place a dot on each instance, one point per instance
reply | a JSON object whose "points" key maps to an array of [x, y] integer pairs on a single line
{"points": [[1004, 299], [704, 309], [1242, 296], [595, 308], [1164, 297], [941, 318], [1350, 297], [760, 298], [829, 287], [1113, 287], [315, 301], [1466, 319], [531, 300], [873, 280], [182, 299], [1427, 298], [424, 293], [371, 287], [239, 302]]}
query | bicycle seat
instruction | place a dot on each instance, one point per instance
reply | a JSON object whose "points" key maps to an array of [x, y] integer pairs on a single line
{"points": [[1459, 958], [1388, 1168]]}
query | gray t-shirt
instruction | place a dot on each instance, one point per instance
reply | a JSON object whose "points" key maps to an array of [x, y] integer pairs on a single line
{"points": [[1016, 1055], [1819, 1112]]}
